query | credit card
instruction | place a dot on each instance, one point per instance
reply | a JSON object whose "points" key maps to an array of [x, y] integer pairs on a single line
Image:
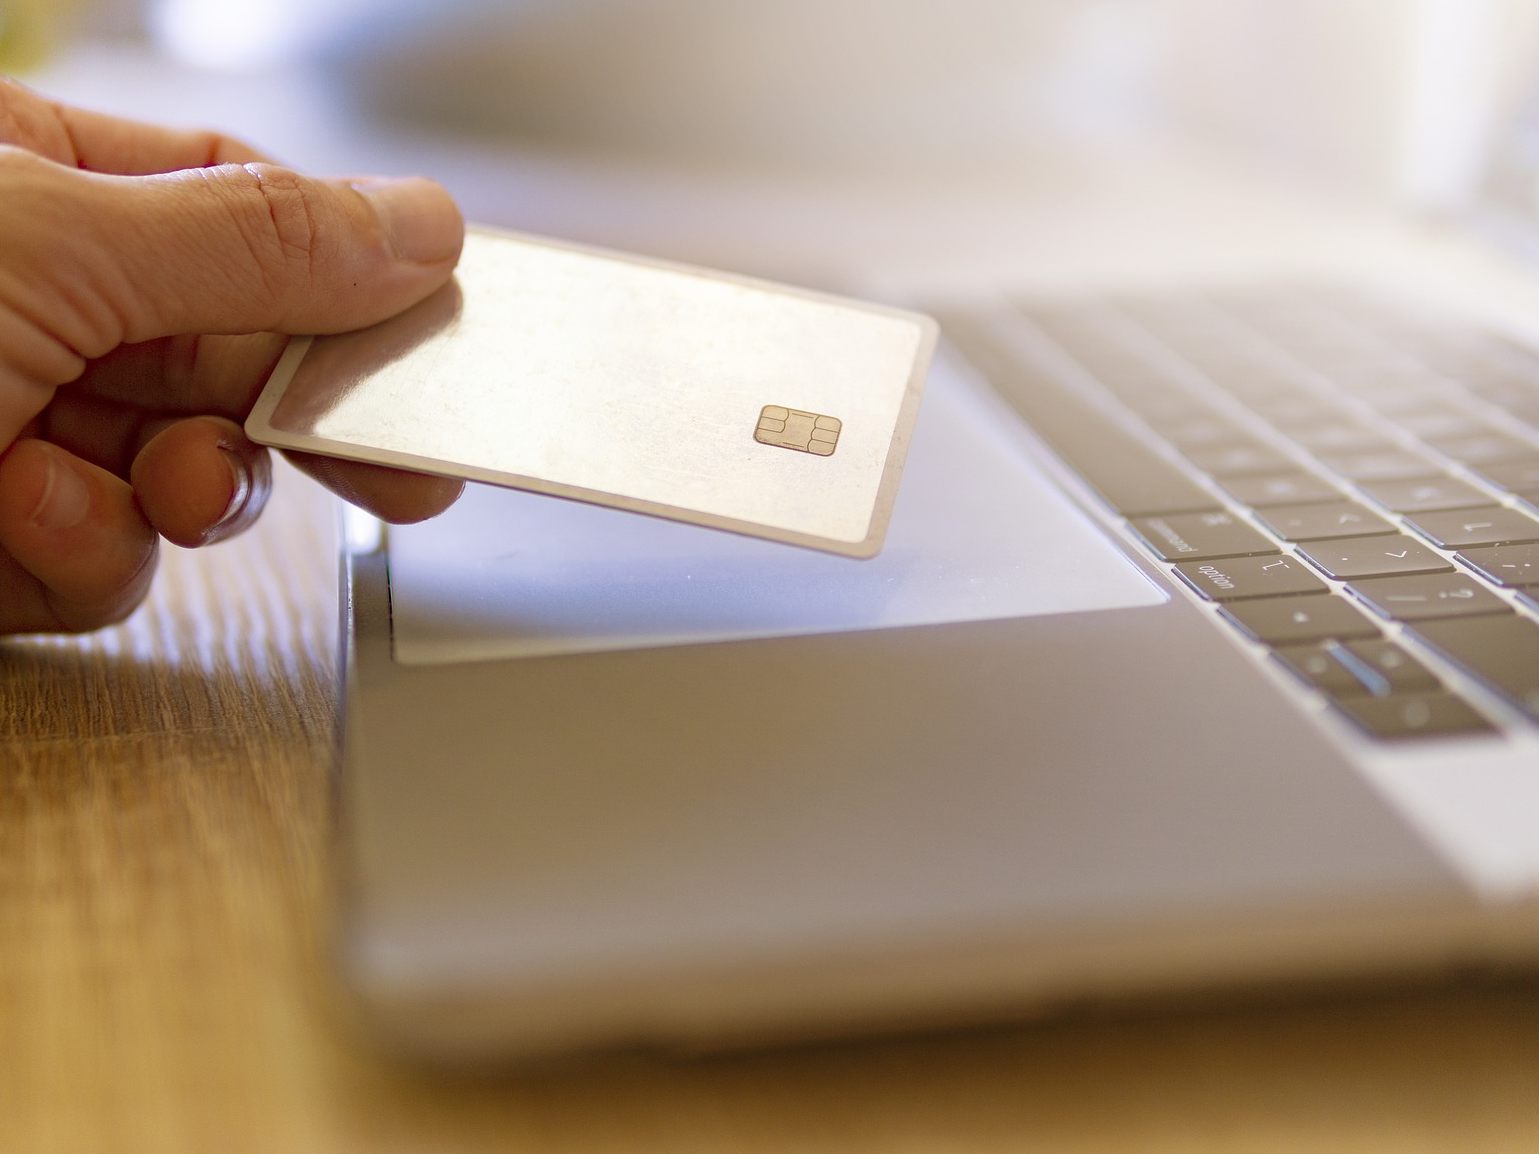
{"points": [[639, 384]]}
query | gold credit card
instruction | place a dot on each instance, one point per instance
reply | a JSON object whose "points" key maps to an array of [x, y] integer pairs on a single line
{"points": [[647, 386]]}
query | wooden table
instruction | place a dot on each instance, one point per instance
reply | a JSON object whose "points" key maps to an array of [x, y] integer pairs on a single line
{"points": [[163, 839]]}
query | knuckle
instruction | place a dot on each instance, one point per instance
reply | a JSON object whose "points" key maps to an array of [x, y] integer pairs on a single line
{"points": [[276, 215], [284, 201]]}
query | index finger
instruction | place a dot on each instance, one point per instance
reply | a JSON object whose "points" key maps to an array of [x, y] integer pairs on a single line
{"points": [[110, 144]]}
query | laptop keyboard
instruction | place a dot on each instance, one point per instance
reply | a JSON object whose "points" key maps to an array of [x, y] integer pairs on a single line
{"points": [[1353, 486]]}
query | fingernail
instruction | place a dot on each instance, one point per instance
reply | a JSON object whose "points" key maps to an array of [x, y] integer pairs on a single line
{"points": [[66, 498], [240, 491], [420, 218]]}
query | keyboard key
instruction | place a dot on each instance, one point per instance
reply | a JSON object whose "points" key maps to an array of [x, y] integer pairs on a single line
{"points": [[1525, 410], [1424, 493], [1488, 525], [1317, 667], [1393, 400], [1294, 620], [1200, 431], [1134, 382], [1158, 407], [1279, 489], [1217, 359], [1318, 522], [1342, 437], [1390, 378], [1426, 595], [1457, 361], [1130, 476], [1180, 536], [1258, 385], [1503, 394], [1394, 465], [1243, 577], [1351, 557], [1483, 448], [1354, 668], [1385, 667], [1515, 476], [1292, 412], [1505, 564], [1414, 715], [1237, 460], [1502, 652], [1439, 422]]}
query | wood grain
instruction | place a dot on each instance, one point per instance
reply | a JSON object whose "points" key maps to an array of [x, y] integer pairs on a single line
{"points": [[163, 828]]}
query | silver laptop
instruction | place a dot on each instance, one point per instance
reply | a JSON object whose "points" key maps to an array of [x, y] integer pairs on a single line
{"points": [[1204, 651]]}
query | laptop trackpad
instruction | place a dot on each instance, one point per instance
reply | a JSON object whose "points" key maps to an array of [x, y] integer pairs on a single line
{"points": [[979, 533]]}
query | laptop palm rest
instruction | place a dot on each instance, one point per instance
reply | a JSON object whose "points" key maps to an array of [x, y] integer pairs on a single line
{"points": [[809, 828], [978, 534]]}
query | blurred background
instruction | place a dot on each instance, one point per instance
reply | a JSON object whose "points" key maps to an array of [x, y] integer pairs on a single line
{"points": [[531, 109]]}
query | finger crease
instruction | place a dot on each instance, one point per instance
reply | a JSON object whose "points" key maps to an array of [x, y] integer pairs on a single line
{"points": [[76, 156], [261, 260], [301, 241]]}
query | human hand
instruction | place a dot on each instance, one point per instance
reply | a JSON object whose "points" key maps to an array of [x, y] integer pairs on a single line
{"points": [[146, 279]]}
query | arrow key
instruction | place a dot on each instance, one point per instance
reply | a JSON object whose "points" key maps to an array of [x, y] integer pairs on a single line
{"points": [[1487, 525], [1352, 557], [1424, 493], [1319, 521], [1510, 565]]}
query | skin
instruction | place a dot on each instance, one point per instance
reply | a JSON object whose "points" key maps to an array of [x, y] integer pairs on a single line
{"points": [[148, 279]]}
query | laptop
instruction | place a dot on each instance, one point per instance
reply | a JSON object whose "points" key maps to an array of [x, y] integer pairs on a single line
{"points": [[1203, 653]]}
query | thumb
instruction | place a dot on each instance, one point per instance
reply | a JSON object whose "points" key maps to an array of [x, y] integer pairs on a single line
{"points": [[257, 247], [89, 261]]}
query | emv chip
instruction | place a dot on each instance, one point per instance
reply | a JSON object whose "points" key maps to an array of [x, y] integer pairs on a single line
{"points": [[798, 429]]}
